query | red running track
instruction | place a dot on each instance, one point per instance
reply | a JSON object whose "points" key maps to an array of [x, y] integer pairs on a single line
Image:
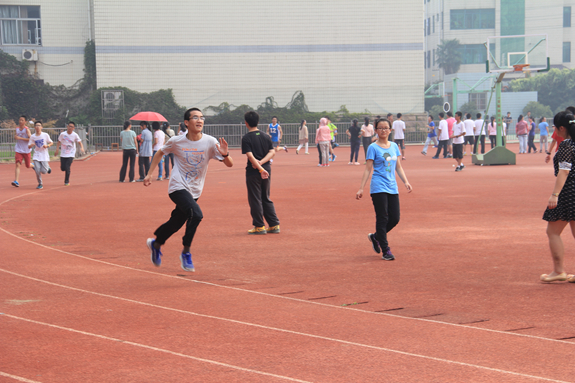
{"points": [[81, 301]]}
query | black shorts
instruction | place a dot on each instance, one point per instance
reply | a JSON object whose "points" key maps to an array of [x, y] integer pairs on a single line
{"points": [[469, 140], [458, 151], [400, 143]]}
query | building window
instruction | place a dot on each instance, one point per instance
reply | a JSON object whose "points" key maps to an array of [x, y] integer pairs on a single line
{"points": [[429, 59], [433, 23], [424, 60], [428, 26], [424, 27], [441, 20], [566, 17], [434, 57], [480, 100], [20, 25], [472, 18], [567, 52], [473, 54]]}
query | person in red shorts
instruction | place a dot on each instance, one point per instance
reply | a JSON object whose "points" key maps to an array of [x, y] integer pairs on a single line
{"points": [[21, 148]]}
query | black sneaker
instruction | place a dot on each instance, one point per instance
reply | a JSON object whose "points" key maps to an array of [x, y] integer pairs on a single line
{"points": [[462, 166], [49, 170], [374, 243], [387, 256], [458, 169]]}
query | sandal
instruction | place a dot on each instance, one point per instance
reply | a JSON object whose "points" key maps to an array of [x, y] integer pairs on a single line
{"points": [[559, 277]]}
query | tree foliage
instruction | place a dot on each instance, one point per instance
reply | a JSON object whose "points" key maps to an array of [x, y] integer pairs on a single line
{"points": [[537, 110], [555, 89], [469, 107], [449, 56]]}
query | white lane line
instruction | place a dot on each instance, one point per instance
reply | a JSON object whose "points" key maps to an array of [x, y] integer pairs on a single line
{"points": [[284, 330], [347, 308], [153, 349], [18, 378]]}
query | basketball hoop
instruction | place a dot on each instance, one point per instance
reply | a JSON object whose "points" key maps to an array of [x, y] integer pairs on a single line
{"points": [[519, 67]]}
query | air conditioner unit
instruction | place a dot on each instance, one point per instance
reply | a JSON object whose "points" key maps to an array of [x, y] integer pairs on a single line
{"points": [[29, 55], [112, 95], [112, 100]]}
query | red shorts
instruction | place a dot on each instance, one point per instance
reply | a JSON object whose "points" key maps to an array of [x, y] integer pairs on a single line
{"points": [[23, 156]]}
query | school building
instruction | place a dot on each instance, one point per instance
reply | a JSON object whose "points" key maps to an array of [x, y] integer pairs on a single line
{"points": [[472, 21], [364, 54]]}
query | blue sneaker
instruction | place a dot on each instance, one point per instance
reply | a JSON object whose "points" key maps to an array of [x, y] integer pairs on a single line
{"points": [[156, 254], [40, 187], [187, 264], [15, 183]]}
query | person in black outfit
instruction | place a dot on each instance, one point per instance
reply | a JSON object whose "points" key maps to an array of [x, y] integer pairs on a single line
{"points": [[258, 147], [354, 134]]}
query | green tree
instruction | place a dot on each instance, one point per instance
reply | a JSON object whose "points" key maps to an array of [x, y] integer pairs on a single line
{"points": [[538, 110], [469, 107], [555, 89], [449, 56]]}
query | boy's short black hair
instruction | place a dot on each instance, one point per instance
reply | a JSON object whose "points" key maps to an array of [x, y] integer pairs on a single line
{"points": [[72, 122], [478, 116], [450, 114], [399, 115], [189, 112], [430, 116], [389, 115], [155, 125], [252, 118], [468, 116], [23, 116], [441, 114]]}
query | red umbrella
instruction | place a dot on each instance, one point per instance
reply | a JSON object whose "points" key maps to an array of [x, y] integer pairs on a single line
{"points": [[148, 116]]}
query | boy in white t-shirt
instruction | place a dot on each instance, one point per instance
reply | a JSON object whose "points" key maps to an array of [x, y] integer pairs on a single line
{"points": [[457, 136], [398, 128], [479, 132], [192, 152], [469, 134], [67, 140], [159, 139], [40, 142]]}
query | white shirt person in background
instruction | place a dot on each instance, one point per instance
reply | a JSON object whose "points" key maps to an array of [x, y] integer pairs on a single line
{"points": [[398, 134], [40, 142], [67, 140]]}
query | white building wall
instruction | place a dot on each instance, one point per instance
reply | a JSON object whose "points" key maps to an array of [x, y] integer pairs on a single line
{"points": [[541, 17], [65, 30], [364, 54]]}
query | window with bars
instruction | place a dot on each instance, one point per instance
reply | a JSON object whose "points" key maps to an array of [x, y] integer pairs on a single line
{"points": [[472, 18], [20, 25]]}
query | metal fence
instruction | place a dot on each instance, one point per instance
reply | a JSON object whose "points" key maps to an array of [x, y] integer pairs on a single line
{"points": [[8, 141], [108, 137]]}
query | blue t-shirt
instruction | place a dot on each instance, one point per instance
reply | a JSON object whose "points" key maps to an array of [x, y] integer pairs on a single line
{"points": [[274, 132], [532, 131], [146, 146], [543, 129], [432, 133], [384, 162]]}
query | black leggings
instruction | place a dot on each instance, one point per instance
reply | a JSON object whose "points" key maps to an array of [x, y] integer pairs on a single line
{"points": [[354, 146], [386, 216], [144, 165], [186, 211], [128, 155], [366, 142], [65, 165], [442, 144]]}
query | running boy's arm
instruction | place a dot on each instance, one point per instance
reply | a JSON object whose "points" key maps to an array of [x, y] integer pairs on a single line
{"points": [[28, 134], [257, 165], [155, 161], [223, 149], [281, 133], [57, 146]]}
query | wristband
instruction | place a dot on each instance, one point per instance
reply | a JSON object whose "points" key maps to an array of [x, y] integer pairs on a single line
{"points": [[226, 155], [548, 153], [262, 169], [555, 194]]}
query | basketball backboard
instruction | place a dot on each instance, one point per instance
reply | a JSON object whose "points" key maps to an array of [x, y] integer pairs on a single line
{"points": [[522, 53]]}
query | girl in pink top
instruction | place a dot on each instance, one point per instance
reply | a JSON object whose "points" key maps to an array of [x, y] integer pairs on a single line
{"points": [[367, 134], [522, 129], [323, 138]]}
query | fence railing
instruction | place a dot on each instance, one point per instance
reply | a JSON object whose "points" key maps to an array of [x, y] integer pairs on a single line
{"points": [[108, 137]]}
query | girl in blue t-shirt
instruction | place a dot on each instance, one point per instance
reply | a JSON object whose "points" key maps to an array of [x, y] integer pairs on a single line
{"points": [[382, 157]]}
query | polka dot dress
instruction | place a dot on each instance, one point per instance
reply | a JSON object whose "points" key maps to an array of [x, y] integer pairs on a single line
{"points": [[564, 160]]}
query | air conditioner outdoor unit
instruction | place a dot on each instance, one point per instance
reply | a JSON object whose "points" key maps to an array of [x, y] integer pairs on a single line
{"points": [[29, 55]]}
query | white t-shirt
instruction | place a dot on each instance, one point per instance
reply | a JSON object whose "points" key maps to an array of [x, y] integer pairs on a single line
{"points": [[398, 128], [182, 133], [478, 126], [457, 130], [469, 125], [191, 162], [68, 144], [160, 139], [444, 135], [40, 153]]}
